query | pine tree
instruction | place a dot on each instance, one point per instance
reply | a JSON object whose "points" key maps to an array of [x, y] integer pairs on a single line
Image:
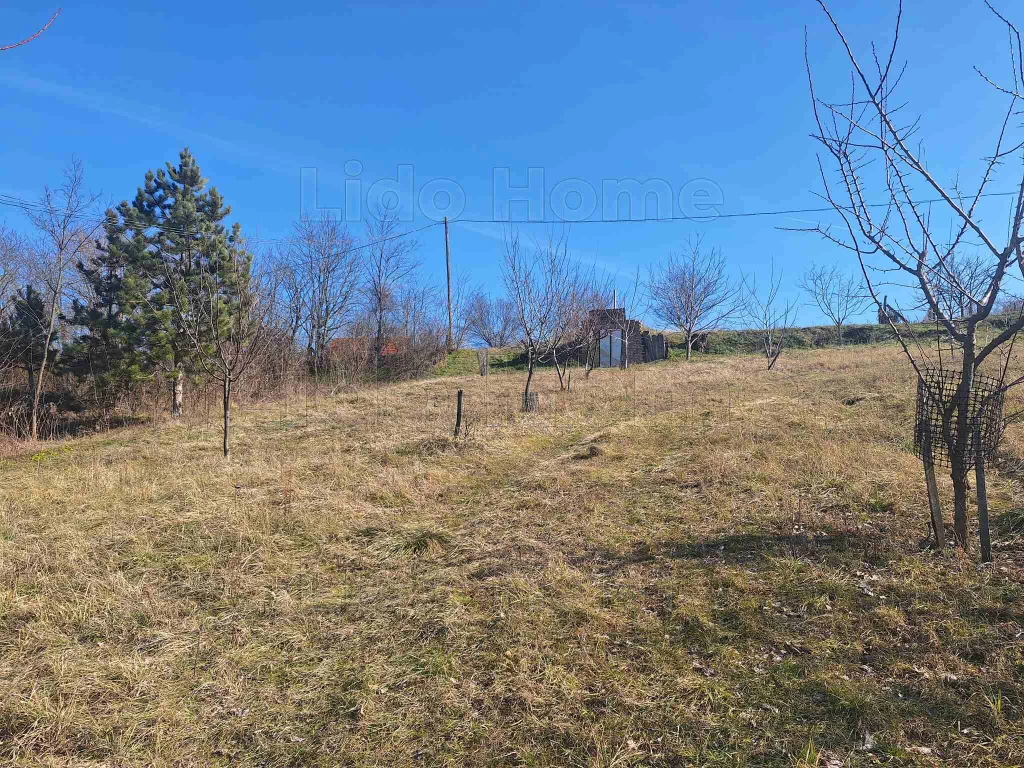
{"points": [[157, 253], [112, 347], [187, 243], [23, 334]]}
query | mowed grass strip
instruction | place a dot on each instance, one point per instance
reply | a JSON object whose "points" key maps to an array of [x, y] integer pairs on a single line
{"points": [[678, 564]]}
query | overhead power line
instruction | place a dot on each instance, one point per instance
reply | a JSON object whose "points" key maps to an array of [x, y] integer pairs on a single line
{"points": [[709, 218], [35, 208]]}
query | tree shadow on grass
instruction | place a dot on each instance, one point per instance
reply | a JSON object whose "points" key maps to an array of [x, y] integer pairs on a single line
{"points": [[737, 549], [840, 641]]}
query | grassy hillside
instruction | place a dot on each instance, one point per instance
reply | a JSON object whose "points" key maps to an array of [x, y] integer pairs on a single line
{"points": [[810, 337], [464, 362], [674, 565], [742, 342]]}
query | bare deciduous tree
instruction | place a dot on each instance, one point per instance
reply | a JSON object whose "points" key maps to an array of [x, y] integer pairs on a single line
{"points": [[229, 317], [545, 289], [877, 178], [293, 305], [321, 282], [575, 300], [491, 322], [389, 260], [839, 296], [60, 218], [958, 283], [13, 258], [693, 292], [420, 318], [768, 313], [463, 293], [1011, 305]]}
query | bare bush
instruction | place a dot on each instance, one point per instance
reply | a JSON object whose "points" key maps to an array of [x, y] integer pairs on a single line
{"points": [[768, 313], [1011, 305]]}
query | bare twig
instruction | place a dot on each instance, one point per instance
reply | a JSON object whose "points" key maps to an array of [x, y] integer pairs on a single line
{"points": [[30, 38]]}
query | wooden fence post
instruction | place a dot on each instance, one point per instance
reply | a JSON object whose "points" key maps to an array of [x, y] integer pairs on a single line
{"points": [[933, 491], [983, 530]]}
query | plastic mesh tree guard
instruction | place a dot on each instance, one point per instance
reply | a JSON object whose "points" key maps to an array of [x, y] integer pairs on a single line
{"points": [[937, 422]]}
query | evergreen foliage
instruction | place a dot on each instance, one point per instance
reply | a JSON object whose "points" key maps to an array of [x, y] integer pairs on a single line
{"points": [[159, 255], [23, 333], [112, 346]]}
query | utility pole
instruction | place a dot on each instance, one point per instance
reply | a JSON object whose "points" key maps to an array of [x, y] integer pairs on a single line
{"points": [[448, 267]]}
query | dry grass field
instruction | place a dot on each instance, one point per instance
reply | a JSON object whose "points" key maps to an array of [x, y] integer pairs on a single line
{"points": [[679, 564]]}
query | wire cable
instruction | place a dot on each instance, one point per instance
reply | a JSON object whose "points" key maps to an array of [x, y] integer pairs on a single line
{"points": [[715, 217], [33, 208]]}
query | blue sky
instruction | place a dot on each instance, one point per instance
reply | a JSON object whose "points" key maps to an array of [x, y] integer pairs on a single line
{"points": [[681, 92]]}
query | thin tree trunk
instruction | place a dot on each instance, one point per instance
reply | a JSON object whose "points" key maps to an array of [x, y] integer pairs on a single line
{"points": [[378, 343], [46, 350], [689, 343], [227, 417], [960, 503], [177, 393], [983, 532], [958, 459], [558, 370], [529, 373], [934, 506]]}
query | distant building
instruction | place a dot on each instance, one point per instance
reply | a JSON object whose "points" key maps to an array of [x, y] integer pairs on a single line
{"points": [[615, 341]]}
